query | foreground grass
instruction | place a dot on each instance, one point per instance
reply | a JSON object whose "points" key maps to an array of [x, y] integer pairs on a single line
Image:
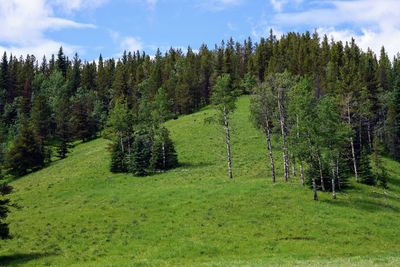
{"points": [[76, 212]]}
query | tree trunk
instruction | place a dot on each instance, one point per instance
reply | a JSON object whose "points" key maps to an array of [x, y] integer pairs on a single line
{"points": [[353, 153], [284, 145], [320, 172], [122, 144], [314, 185], [228, 144], [163, 154], [301, 174], [337, 174], [269, 146], [333, 181], [369, 134]]}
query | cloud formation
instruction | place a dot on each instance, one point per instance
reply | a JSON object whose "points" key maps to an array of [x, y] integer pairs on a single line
{"points": [[217, 5], [372, 23], [23, 25]]}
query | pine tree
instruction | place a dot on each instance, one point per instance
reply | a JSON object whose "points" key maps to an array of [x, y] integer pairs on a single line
{"points": [[365, 169], [139, 161], [26, 153], [62, 62], [118, 159], [4, 210], [163, 156], [380, 172]]}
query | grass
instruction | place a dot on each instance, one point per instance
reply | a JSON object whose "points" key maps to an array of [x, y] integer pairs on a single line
{"points": [[75, 212]]}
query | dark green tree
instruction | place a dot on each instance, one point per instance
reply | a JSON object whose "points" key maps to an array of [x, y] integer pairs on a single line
{"points": [[163, 155], [4, 210], [365, 170], [26, 153], [139, 160]]}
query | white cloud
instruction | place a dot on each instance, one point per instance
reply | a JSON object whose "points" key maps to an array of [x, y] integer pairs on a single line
{"points": [[279, 5], [23, 25], [372, 23], [126, 43], [75, 5], [217, 5], [131, 44]]}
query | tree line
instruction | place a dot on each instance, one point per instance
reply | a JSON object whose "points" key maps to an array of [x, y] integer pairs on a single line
{"points": [[334, 105]]}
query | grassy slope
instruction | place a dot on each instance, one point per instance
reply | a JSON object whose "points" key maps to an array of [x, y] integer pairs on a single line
{"points": [[77, 212]]}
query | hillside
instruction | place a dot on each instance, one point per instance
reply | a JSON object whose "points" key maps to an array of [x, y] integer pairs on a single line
{"points": [[75, 212]]}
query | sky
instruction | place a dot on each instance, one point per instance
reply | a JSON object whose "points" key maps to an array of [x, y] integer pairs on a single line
{"points": [[108, 27]]}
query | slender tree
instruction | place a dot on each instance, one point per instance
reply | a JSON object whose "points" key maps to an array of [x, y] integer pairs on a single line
{"points": [[263, 111], [223, 100]]}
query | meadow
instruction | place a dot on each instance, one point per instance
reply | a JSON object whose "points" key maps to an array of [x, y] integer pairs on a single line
{"points": [[76, 213]]}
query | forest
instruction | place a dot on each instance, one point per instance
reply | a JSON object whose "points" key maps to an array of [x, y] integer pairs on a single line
{"points": [[335, 108]]}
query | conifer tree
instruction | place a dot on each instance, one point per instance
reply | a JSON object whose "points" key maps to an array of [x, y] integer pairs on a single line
{"points": [[163, 155], [4, 210], [26, 153], [380, 172], [119, 160], [139, 160], [365, 169]]}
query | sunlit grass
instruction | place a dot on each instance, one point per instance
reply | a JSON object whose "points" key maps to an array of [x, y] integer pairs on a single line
{"points": [[76, 212]]}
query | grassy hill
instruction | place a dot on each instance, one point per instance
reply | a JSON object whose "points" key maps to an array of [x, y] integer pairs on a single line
{"points": [[75, 212]]}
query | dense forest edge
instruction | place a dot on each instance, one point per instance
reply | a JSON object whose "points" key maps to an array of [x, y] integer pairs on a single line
{"points": [[335, 107]]}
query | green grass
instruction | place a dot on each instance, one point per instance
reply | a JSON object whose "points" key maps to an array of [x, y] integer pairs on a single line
{"points": [[75, 212]]}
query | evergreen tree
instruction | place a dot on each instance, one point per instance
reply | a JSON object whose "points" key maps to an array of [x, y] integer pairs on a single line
{"points": [[365, 169], [62, 62], [118, 159], [26, 153], [4, 210], [380, 172], [163, 155], [139, 160]]}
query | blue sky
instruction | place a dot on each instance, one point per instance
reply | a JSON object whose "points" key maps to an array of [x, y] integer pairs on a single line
{"points": [[91, 27]]}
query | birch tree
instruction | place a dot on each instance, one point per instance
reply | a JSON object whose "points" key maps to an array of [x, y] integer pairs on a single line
{"points": [[263, 110], [224, 98], [333, 133], [281, 85], [301, 116]]}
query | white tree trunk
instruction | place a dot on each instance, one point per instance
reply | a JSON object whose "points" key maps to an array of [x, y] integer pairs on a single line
{"points": [[320, 172], [163, 154], [333, 180], [122, 143], [284, 144], [337, 174], [301, 174], [228, 143], [314, 185], [353, 153], [269, 146]]}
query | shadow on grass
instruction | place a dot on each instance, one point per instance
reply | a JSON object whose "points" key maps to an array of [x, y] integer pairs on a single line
{"points": [[21, 258], [363, 204], [393, 181]]}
